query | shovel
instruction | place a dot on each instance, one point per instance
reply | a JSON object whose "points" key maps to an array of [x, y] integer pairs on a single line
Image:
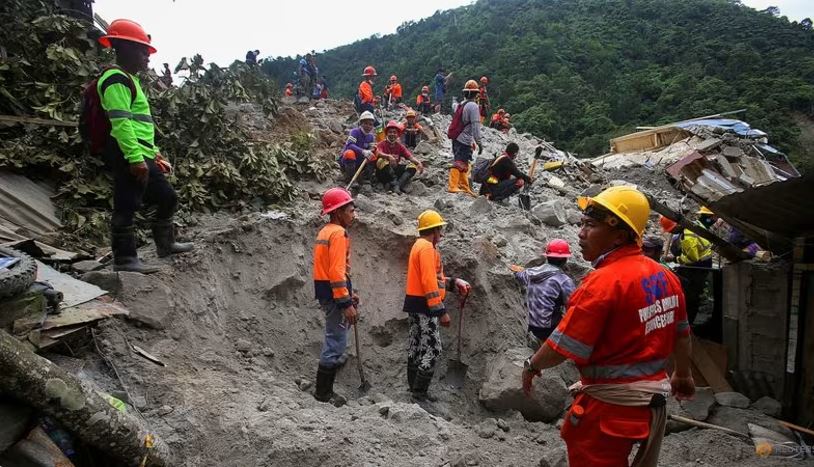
{"points": [[456, 368], [365, 386], [524, 198], [356, 175]]}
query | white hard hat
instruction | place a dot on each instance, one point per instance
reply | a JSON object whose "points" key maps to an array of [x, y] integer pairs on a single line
{"points": [[366, 115]]}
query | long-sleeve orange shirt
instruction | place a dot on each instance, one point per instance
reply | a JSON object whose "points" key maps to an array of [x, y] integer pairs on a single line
{"points": [[332, 266], [426, 283], [366, 92]]}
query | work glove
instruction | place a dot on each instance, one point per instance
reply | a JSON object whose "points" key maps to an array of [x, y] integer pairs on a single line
{"points": [[444, 320], [367, 153], [462, 287], [140, 171]]}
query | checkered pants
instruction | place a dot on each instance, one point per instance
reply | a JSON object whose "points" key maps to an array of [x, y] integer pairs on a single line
{"points": [[424, 342]]}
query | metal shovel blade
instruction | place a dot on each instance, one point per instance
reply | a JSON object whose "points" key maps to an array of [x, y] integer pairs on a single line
{"points": [[456, 373], [524, 200], [365, 386]]}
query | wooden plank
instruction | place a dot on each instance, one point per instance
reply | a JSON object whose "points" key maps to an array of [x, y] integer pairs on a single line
{"points": [[36, 121], [712, 374], [85, 313]]}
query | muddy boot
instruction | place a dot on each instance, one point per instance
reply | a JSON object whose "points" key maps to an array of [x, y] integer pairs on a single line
{"points": [[404, 182], [393, 187], [325, 384], [412, 370], [125, 255], [421, 385], [164, 237], [454, 181], [464, 184]]}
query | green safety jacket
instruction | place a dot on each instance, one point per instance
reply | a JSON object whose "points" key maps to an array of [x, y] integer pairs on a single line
{"points": [[130, 119], [694, 249]]}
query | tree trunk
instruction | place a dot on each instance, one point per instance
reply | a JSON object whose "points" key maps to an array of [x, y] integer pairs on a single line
{"points": [[80, 408]]}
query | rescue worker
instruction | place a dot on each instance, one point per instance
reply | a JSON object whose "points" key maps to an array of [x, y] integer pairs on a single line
{"points": [[440, 82], [333, 288], [505, 123], [130, 151], [497, 118], [464, 145], [653, 247], [360, 145], [693, 254], [423, 102], [483, 99], [624, 322], [389, 155], [251, 57], [393, 92], [412, 130], [424, 302], [547, 290], [365, 96], [505, 179], [289, 89]]}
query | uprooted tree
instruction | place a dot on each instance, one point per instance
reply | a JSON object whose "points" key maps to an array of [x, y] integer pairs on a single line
{"points": [[218, 165]]}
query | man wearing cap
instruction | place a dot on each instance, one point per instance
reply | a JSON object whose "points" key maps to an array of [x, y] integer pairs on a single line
{"points": [[333, 288], [623, 323], [547, 290], [424, 302], [130, 150]]}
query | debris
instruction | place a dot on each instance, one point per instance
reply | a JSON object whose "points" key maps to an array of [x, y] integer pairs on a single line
{"points": [[732, 399], [143, 353], [86, 266], [25, 208], [698, 407], [74, 291], [551, 213], [768, 406], [80, 314], [712, 426], [487, 428], [737, 419]]}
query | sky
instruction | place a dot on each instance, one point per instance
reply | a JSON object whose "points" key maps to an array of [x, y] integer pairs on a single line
{"points": [[224, 31]]}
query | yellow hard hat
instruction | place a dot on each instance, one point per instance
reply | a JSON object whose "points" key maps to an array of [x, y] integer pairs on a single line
{"points": [[705, 210], [627, 203], [429, 219]]}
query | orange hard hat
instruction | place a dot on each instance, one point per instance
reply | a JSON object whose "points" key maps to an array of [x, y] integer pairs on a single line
{"points": [[425, 89], [126, 30], [394, 78], [334, 199], [484, 80], [667, 224], [410, 113], [501, 111], [369, 71], [471, 85]]}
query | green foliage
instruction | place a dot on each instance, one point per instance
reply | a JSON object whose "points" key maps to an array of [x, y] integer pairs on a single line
{"points": [[582, 71], [218, 164]]}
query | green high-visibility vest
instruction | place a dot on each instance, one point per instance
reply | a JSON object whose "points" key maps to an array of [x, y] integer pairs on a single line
{"points": [[130, 119]]}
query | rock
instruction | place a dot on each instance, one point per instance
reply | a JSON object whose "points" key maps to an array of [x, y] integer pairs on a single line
{"points": [[384, 410], [592, 190], [267, 352], [364, 204], [698, 407], [15, 421], [486, 429], [335, 126], [164, 410], [481, 206], [621, 183], [550, 213], [86, 266], [424, 148], [500, 241], [417, 188], [732, 399], [768, 406], [148, 299], [573, 216], [243, 346], [442, 205], [503, 425], [501, 391], [737, 419], [674, 407], [106, 280], [555, 458], [305, 385]]}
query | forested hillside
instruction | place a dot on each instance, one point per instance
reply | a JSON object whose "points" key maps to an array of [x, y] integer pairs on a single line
{"points": [[581, 71]]}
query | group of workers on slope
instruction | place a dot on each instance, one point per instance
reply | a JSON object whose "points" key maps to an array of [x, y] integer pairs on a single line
{"points": [[309, 82], [622, 324]]}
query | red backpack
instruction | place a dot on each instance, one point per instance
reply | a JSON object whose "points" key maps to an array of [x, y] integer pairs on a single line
{"points": [[456, 127], [94, 125]]}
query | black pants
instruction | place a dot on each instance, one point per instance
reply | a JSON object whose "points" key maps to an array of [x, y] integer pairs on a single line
{"points": [[501, 190], [129, 195], [541, 333], [389, 174]]}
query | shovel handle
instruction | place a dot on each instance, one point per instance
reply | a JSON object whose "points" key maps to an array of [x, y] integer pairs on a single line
{"points": [[462, 303], [356, 175]]}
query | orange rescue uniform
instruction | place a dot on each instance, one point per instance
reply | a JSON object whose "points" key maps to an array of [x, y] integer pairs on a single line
{"points": [[332, 266], [426, 283], [366, 92], [394, 90], [621, 327]]}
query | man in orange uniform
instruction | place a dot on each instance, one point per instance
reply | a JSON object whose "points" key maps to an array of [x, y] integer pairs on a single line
{"points": [[333, 288], [365, 99], [483, 99], [412, 130], [424, 301], [393, 92], [423, 102], [622, 325]]}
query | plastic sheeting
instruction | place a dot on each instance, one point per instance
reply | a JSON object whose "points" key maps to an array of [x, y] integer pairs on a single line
{"points": [[728, 125]]}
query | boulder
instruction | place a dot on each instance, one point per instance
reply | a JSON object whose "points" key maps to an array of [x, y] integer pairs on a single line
{"points": [[592, 190], [106, 280], [738, 420], [732, 399], [481, 206], [551, 213], [573, 216], [424, 148], [87, 266], [147, 298], [698, 407], [768, 406], [502, 390]]}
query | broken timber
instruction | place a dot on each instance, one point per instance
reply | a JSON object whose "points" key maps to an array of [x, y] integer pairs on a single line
{"points": [[83, 411]]}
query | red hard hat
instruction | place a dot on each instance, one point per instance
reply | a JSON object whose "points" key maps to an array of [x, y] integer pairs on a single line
{"points": [[393, 124], [558, 248], [369, 71], [334, 199], [126, 30], [394, 78], [667, 224], [484, 80]]}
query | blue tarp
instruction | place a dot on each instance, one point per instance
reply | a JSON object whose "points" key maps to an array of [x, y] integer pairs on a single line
{"points": [[726, 124]]}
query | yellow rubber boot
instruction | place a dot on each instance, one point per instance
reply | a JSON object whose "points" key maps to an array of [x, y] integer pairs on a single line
{"points": [[454, 180], [463, 181]]}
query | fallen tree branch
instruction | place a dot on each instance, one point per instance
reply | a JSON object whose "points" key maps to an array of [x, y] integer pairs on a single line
{"points": [[82, 410]]}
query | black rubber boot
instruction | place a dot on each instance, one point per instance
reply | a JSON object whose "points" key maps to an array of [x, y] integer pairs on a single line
{"points": [[325, 384], [404, 181], [164, 237], [125, 255], [412, 370], [422, 385]]}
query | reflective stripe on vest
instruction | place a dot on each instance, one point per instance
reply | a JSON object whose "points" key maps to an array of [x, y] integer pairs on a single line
{"points": [[632, 370], [571, 345]]}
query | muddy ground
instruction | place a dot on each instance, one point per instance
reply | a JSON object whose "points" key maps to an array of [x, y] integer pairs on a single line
{"points": [[240, 333]]}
